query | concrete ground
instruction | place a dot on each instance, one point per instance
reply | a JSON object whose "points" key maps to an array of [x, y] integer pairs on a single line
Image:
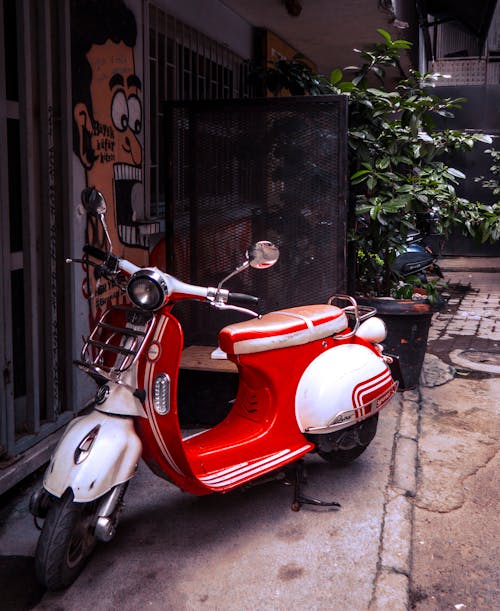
{"points": [[456, 535], [416, 528]]}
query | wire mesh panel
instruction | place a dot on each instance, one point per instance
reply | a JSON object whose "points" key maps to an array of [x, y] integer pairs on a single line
{"points": [[245, 170]]}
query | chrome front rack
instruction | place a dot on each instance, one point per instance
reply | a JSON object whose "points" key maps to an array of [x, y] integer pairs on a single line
{"points": [[115, 342]]}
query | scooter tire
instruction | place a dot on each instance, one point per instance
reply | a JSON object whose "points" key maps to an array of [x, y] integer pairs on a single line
{"points": [[65, 543], [350, 443]]}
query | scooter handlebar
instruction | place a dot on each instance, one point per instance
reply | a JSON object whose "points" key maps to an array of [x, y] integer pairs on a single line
{"points": [[97, 253], [112, 263], [242, 299]]}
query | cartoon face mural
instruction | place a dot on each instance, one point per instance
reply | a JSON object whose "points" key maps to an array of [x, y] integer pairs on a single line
{"points": [[108, 122]]}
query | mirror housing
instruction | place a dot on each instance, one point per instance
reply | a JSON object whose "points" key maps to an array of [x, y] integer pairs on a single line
{"points": [[262, 255], [94, 203]]}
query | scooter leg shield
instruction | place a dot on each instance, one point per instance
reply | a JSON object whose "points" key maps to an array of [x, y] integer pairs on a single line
{"points": [[96, 453]]}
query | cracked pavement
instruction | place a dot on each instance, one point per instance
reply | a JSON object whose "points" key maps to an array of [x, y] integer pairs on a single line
{"points": [[456, 536]]}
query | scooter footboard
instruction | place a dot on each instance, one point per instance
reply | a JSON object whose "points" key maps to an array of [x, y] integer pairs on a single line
{"points": [[96, 453]]}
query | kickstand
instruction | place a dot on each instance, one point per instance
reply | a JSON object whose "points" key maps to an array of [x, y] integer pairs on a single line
{"points": [[300, 499]]}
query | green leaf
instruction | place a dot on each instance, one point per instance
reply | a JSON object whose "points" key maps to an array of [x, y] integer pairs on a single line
{"points": [[378, 92], [402, 44], [335, 76], [484, 138], [456, 173], [385, 35], [346, 87], [359, 173], [383, 163]]}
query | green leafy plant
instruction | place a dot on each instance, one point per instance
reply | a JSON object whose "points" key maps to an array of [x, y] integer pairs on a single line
{"points": [[414, 287], [487, 217], [398, 165], [397, 159]]}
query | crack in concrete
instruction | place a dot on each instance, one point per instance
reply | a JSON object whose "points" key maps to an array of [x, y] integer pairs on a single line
{"points": [[462, 482]]}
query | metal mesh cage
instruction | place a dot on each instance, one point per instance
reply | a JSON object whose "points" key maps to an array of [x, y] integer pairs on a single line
{"points": [[243, 170]]}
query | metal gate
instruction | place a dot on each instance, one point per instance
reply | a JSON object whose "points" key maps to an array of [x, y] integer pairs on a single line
{"points": [[242, 170]]}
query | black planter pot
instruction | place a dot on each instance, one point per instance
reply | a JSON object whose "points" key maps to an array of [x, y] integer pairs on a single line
{"points": [[408, 323]]}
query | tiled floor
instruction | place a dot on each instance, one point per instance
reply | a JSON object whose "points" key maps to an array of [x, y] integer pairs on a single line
{"points": [[471, 317]]}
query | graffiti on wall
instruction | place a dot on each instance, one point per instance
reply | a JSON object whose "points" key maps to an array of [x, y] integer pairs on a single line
{"points": [[107, 128]]}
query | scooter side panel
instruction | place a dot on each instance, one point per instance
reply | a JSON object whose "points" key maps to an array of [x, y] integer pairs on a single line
{"points": [[338, 386], [111, 458], [163, 449]]}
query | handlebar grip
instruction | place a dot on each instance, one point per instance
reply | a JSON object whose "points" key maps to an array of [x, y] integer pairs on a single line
{"points": [[242, 299], [97, 253]]}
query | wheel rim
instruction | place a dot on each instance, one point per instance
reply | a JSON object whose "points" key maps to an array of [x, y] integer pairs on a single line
{"points": [[82, 540]]}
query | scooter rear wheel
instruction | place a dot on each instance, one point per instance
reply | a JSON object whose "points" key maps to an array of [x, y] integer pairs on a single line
{"points": [[342, 447], [66, 542]]}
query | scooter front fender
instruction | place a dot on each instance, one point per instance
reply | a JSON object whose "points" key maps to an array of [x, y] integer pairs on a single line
{"points": [[96, 453]]}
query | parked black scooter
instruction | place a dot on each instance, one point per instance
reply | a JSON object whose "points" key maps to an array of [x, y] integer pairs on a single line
{"points": [[423, 248]]}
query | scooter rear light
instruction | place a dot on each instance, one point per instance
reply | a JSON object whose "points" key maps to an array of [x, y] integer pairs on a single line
{"points": [[161, 394]]}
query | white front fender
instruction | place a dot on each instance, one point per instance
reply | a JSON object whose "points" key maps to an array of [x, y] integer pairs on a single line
{"points": [[108, 457]]}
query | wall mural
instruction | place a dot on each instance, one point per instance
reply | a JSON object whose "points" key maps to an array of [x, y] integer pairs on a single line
{"points": [[107, 127]]}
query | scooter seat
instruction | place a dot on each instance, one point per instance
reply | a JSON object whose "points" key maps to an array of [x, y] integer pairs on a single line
{"points": [[283, 328]]}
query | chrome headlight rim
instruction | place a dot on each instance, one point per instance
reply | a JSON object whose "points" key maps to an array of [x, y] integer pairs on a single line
{"points": [[152, 298]]}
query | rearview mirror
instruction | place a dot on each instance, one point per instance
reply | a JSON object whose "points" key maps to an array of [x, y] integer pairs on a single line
{"points": [[94, 203], [262, 254]]}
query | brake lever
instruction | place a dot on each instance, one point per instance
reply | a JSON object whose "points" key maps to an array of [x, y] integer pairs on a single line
{"points": [[219, 305], [103, 270]]}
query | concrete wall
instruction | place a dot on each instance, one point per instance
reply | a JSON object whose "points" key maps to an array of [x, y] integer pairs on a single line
{"points": [[214, 19]]}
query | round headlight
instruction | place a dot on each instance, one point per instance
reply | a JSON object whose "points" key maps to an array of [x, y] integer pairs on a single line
{"points": [[147, 289]]}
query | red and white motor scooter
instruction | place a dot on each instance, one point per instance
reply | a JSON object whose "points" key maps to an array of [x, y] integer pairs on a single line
{"points": [[311, 379]]}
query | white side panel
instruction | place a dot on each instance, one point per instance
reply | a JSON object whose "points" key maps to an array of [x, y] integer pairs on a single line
{"points": [[327, 385]]}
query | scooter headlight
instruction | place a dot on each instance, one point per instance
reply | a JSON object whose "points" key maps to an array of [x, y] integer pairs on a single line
{"points": [[147, 289]]}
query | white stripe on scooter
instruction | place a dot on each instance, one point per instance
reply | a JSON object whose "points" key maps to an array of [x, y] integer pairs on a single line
{"points": [[267, 467], [242, 468], [372, 389], [363, 392], [365, 386], [224, 472], [254, 468], [148, 376], [368, 387]]}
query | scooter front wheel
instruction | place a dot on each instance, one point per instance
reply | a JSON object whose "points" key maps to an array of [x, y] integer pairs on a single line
{"points": [[66, 541], [342, 447]]}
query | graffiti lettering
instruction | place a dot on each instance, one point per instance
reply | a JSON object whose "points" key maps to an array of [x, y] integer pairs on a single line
{"points": [[103, 130], [105, 145]]}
